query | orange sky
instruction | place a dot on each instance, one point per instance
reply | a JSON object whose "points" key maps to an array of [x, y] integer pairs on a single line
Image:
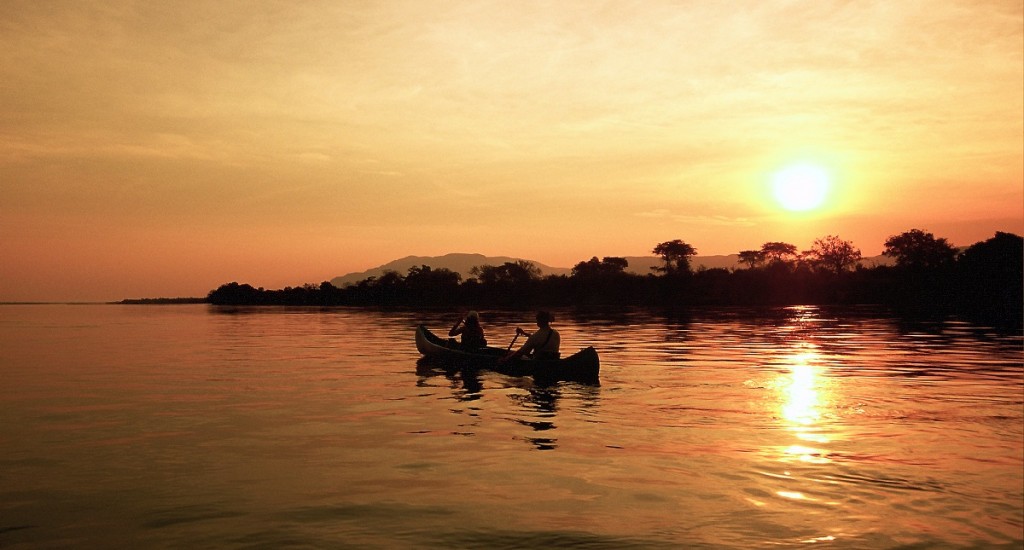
{"points": [[162, 149]]}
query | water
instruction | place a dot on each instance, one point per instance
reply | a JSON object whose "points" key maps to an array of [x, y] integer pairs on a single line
{"points": [[187, 426]]}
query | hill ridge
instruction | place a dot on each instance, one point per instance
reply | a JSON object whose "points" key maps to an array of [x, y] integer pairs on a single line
{"points": [[463, 262]]}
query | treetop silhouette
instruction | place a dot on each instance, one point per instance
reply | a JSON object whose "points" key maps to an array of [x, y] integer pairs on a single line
{"points": [[986, 278]]}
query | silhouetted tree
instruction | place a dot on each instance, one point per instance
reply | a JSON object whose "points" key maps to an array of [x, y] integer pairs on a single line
{"points": [[331, 295], [676, 255], [424, 276], [775, 252], [752, 258], [615, 264], [991, 274], [529, 268], [1002, 253], [234, 294], [511, 284], [519, 271], [916, 249], [834, 254], [390, 288], [602, 281], [432, 286], [593, 267]]}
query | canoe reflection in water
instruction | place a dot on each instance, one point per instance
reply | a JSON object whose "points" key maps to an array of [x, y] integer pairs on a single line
{"points": [[537, 403]]}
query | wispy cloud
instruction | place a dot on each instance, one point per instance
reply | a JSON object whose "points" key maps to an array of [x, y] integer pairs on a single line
{"points": [[697, 220]]}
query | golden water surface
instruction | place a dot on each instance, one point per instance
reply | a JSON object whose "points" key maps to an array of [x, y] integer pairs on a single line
{"points": [[193, 426]]}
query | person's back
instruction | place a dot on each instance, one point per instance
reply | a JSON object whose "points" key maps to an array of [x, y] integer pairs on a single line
{"points": [[473, 336], [471, 331], [546, 343]]}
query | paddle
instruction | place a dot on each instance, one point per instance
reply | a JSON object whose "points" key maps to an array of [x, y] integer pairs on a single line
{"points": [[512, 343]]}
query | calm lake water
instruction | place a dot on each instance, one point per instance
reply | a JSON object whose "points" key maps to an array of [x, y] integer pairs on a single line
{"points": [[192, 426]]}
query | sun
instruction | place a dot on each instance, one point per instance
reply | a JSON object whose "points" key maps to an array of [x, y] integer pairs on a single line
{"points": [[800, 187]]}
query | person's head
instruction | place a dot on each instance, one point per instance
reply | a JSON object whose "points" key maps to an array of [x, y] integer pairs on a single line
{"points": [[472, 318], [544, 318]]}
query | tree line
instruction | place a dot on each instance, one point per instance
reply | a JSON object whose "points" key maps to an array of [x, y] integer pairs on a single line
{"points": [[928, 273]]}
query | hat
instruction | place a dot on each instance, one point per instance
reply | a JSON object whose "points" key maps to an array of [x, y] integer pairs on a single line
{"points": [[472, 315]]}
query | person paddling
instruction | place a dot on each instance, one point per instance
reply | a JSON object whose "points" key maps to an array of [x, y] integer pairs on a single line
{"points": [[471, 331], [542, 344]]}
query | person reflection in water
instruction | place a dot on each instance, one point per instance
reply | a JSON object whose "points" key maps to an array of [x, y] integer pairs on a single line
{"points": [[471, 331], [542, 344]]}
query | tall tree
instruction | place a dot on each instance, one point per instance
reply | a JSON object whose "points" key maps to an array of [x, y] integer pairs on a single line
{"points": [[774, 252], [753, 258], [834, 254], [917, 249], [676, 255]]}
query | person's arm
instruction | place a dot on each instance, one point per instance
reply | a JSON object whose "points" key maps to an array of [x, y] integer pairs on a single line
{"points": [[527, 347], [455, 331]]}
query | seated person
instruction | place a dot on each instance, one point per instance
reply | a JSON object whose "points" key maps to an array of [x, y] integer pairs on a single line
{"points": [[542, 344], [471, 331]]}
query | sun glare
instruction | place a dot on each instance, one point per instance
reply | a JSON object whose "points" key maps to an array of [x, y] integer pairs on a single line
{"points": [[800, 187]]}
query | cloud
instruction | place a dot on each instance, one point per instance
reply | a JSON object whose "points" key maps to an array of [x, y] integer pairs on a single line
{"points": [[696, 220]]}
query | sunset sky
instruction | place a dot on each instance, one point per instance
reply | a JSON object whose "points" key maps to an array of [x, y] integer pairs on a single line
{"points": [[161, 149]]}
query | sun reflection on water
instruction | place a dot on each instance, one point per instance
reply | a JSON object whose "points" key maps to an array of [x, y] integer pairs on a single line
{"points": [[803, 397], [805, 394], [801, 402]]}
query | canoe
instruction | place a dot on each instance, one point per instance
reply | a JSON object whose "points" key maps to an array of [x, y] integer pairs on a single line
{"points": [[582, 366]]}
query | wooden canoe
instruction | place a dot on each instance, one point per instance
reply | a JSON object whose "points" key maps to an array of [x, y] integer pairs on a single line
{"points": [[583, 366]]}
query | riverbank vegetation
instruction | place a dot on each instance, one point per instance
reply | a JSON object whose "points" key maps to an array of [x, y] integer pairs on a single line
{"points": [[929, 274]]}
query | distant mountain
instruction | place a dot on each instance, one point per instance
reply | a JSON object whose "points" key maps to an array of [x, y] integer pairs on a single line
{"points": [[459, 263], [463, 263]]}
